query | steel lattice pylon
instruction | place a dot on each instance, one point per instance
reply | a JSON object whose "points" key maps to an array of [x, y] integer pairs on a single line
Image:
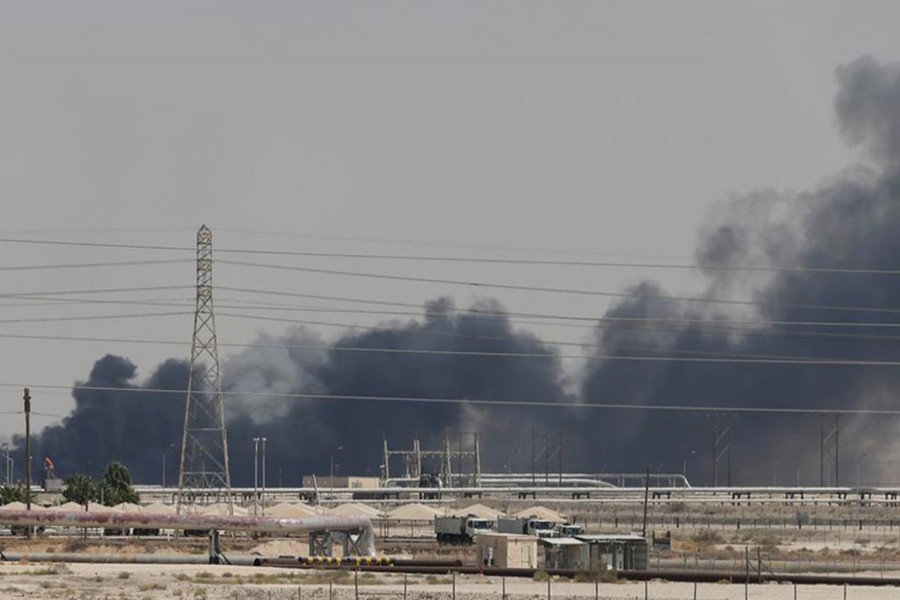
{"points": [[204, 446]]}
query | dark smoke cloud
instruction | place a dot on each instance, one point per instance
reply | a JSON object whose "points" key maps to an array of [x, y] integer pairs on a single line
{"points": [[850, 223], [304, 435], [137, 429], [867, 106], [307, 436]]}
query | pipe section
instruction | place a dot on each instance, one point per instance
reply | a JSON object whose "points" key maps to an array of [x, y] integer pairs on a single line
{"points": [[112, 520]]}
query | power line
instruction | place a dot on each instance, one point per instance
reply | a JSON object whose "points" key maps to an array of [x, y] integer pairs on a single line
{"points": [[744, 327], [49, 296], [481, 402], [129, 263], [607, 323], [435, 334], [503, 315], [465, 312], [552, 290], [761, 360], [15, 295], [513, 337], [92, 317], [470, 260]]}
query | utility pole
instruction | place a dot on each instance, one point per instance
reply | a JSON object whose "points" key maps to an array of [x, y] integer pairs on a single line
{"points": [[546, 460], [27, 399], [533, 458], [829, 446], [476, 463], [255, 475], [560, 457], [264, 476], [459, 457], [646, 502]]}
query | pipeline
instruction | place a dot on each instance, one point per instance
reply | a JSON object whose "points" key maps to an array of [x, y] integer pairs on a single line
{"points": [[111, 520], [413, 567], [135, 559], [357, 561], [436, 567]]}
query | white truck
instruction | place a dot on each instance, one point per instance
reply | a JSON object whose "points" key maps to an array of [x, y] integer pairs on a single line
{"points": [[527, 526], [460, 530], [569, 530]]}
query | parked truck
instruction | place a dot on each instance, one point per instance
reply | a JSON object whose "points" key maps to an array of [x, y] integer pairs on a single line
{"points": [[564, 530], [460, 530], [527, 526]]}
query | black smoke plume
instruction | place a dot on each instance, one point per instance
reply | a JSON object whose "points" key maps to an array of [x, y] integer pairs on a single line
{"points": [[310, 435], [852, 222]]}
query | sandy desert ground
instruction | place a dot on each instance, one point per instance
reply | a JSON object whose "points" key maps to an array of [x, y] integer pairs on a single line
{"points": [[155, 582]]}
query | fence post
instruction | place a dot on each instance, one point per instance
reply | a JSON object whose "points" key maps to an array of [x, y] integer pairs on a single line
{"points": [[503, 588], [646, 590], [549, 579], [331, 587], [405, 578], [453, 583], [596, 590], [695, 590], [299, 592], [746, 573], [356, 584]]}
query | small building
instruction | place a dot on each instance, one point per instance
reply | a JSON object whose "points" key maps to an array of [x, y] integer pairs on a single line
{"points": [[565, 553], [617, 552], [506, 550]]}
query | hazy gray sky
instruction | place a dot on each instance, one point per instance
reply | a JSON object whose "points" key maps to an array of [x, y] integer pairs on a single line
{"points": [[537, 129]]}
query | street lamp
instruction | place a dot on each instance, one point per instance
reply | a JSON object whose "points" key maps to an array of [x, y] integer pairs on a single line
{"points": [[8, 473], [165, 458], [255, 473], [684, 466], [264, 476], [331, 472]]}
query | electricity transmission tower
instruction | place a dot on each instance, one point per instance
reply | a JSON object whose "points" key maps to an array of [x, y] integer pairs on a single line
{"points": [[204, 444]]}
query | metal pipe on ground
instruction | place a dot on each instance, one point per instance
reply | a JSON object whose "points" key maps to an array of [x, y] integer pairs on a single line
{"points": [[144, 559], [112, 520], [683, 576]]}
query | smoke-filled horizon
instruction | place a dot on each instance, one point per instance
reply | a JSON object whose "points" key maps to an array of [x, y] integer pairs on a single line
{"points": [[850, 221]]}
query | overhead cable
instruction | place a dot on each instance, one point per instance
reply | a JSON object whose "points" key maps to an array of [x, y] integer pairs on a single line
{"points": [[476, 402], [469, 260]]}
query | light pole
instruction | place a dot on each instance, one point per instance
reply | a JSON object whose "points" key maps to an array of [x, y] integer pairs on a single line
{"points": [[264, 476], [684, 466], [165, 459], [331, 473], [6, 452], [255, 473]]}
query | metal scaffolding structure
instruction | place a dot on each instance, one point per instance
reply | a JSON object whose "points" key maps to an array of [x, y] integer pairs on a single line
{"points": [[204, 445], [551, 448], [412, 462]]}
